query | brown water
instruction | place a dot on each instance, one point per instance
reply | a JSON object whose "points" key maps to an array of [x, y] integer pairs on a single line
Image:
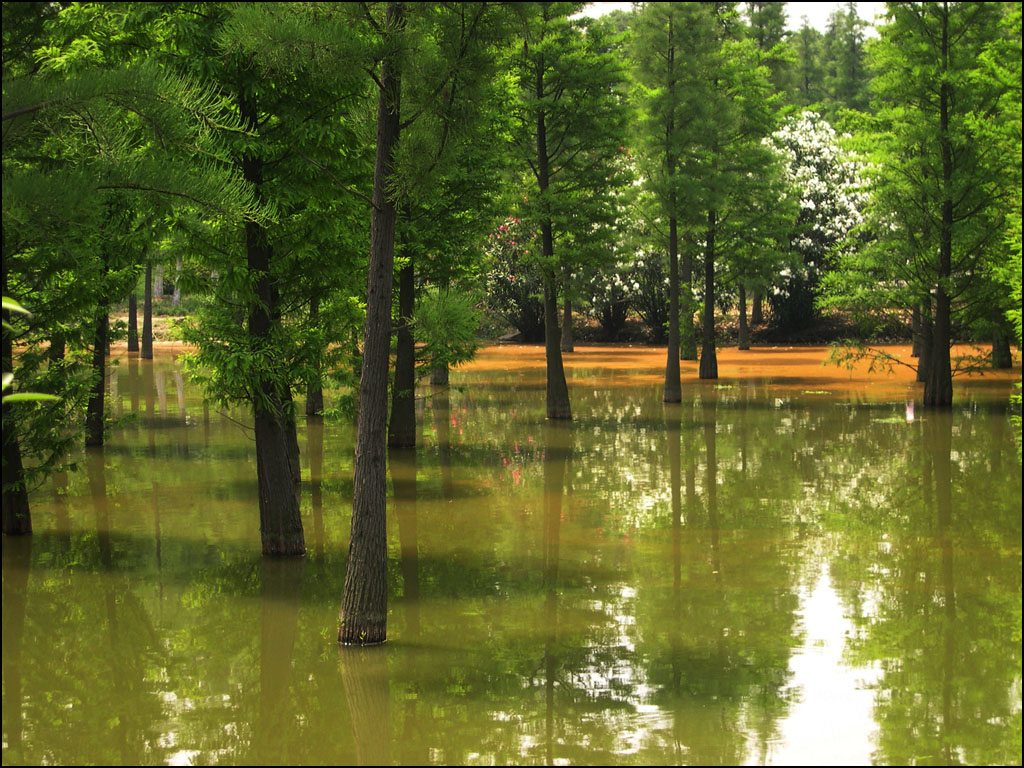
{"points": [[791, 567]]}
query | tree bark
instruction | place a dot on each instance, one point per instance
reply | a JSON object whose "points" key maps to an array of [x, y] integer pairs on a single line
{"points": [[147, 316], [402, 429], [1002, 358], [17, 519], [568, 343], [757, 310], [176, 295], [744, 340], [133, 322], [439, 376], [315, 388], [925, 334], [363, 615], [915, 331], [94, 409], [558, 406], [938, 387], [708, 356], [158, 281], [687, 331], [280, 523], [673, 388]]}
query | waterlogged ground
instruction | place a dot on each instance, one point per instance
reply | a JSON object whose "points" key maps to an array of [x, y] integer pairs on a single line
{"points": [[796, 565]]}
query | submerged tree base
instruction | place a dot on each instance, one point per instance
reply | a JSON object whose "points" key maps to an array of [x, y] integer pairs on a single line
{"points": [[362, 634]]}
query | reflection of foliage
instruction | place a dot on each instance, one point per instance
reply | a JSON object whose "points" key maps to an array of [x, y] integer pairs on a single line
{"points": [[685, 624]]}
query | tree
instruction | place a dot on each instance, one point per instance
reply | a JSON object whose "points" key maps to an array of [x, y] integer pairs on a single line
{"points": [[672, 48], [942, 190], [846, 74], [363, 615], [569, 122], [88, 130]]}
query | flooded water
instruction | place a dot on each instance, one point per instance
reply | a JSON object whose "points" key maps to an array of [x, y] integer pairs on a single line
{"points": [[791, 567]]}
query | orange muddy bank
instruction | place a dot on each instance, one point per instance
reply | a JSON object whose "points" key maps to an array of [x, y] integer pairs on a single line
{"points": [[798, 367]]}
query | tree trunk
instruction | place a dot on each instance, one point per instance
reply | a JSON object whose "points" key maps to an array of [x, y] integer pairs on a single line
{"points": [[147, 316], [673, 388], [315, 388], [16, 517], [292, 438], [568, 342], [363, 615], [439, 376], [938, 387], [176, 296], [57, 348], [926, 332], [744, 340], [280, 523], [757, 310], [133, 322], [158, 281], [558, 406], [402, 429], [915, 331], [1002, 358], [94, 409], [687, 332], [708, 356]]}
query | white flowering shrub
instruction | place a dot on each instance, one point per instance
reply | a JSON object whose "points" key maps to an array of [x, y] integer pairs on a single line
{"points": [[832, 197]]}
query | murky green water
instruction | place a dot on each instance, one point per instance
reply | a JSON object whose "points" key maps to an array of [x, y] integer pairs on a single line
{"points": [[762, 576]]}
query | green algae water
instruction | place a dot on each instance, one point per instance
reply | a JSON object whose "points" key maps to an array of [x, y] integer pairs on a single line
{"points": [[771, 573]]}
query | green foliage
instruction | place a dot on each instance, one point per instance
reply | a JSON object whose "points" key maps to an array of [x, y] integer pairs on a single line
{"points": [[446, 325]]}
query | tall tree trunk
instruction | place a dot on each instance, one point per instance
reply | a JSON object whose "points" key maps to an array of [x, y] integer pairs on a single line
{"points": [[280, 523], [744, 340], [673, 388], [926, 339], [16, 517], [687, 330], [558, 406], [938, 387], [94, 409], [757, 310], [363, 615], [568, 343], [57, 348], [176, 295], [292, 439], [708, 356], [133, 322], [147, 316], [315, 388], [402, 429], [439, 376], [915, 331], [158, 281], [1001, 356]]}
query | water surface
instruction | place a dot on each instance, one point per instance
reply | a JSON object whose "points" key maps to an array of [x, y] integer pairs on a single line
{"points": [[781, 570]]}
